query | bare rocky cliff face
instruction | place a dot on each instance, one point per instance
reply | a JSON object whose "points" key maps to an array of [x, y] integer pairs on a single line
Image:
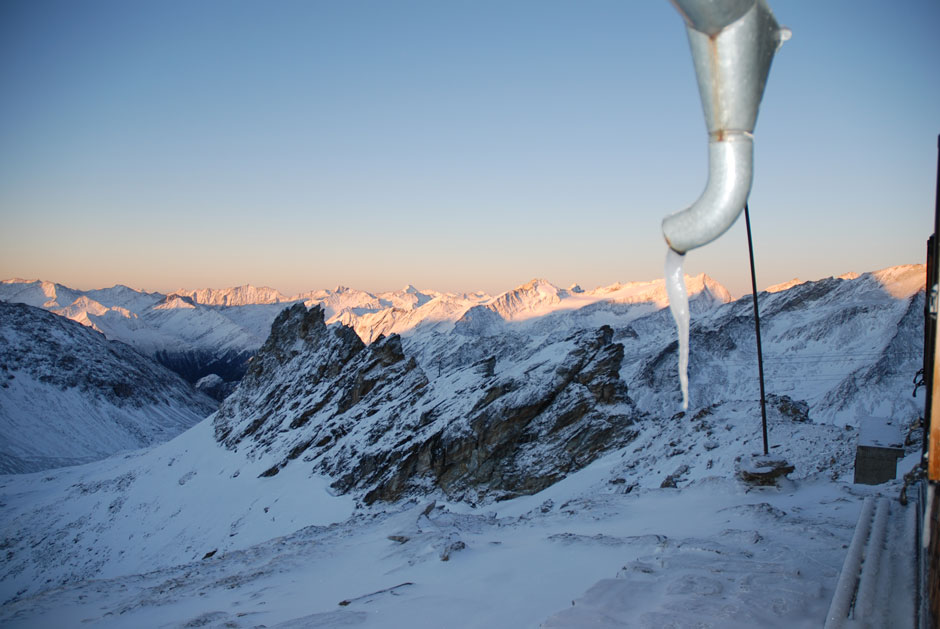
{"points": [[489, 419]]}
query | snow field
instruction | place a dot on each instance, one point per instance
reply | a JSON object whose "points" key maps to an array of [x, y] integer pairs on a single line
{"points": [[649, 556]]}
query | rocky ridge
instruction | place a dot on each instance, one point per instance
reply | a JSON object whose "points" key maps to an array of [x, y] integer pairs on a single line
{"points": [[376, 422]]}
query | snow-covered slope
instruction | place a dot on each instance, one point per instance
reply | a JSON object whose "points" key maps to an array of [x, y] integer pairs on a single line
{"points": [[189, 534], [70, 396], [37, 293], [195, 333], [835, 344], [550, 436], [121, 296]]}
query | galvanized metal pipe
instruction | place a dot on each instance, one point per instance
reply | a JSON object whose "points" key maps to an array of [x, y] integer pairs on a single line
{"points": [[865, 609], [729, 183], [846, 587], [733, 43]]}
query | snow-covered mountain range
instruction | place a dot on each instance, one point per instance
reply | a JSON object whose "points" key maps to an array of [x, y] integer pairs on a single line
{"points": [[545, 423], [215, 331]]}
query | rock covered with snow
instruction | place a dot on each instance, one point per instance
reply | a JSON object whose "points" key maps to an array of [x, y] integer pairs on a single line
{"points": [[215, 386], [377, 422], [763, 469]]}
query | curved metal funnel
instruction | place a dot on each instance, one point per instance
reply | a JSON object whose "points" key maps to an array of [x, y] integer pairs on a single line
{"points": [[733, 43]]}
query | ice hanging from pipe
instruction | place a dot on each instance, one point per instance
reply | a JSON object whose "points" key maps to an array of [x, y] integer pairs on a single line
{"points": [[679, 307], [733, 43]]}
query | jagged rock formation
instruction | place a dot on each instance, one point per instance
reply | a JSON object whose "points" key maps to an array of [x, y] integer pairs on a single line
{"points": [[372, 418], [68, 395]]}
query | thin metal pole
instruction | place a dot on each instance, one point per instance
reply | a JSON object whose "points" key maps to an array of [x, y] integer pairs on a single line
{"points": [[760, 354]]}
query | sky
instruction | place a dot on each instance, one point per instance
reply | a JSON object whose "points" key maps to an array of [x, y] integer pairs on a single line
{"points": [[457, 146]]}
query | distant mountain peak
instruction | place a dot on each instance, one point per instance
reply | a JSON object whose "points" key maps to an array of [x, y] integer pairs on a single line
{"points": [[704, 283], [776, 288], [174, 301], [531, 299], [83, 303], [538, 283], [18, 280], [902, 281]]}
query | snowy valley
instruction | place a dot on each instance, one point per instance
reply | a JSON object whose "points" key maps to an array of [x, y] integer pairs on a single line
{"points": [[426, 459]]}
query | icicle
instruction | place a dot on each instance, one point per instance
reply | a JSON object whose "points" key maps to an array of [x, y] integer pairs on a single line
{"points": [[679, 306]]}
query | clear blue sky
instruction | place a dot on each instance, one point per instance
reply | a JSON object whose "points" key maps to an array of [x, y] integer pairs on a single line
{"points": [[455, 145]]}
